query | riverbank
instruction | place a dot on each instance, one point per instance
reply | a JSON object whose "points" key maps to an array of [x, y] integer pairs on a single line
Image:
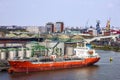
{"points": [[107, 47]]}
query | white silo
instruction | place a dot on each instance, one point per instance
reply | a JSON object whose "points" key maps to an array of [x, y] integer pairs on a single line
{"points": [[21, 53], [69, 51], [12, 54], [3, 55], [28, 53]]}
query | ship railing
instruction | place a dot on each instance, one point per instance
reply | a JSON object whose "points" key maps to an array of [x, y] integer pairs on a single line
{"points": [[73, 58], [93, 56]]}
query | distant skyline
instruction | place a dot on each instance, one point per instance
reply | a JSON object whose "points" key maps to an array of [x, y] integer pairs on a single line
{"points": [[72, 12]]}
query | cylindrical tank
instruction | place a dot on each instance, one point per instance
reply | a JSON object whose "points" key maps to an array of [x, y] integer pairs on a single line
{"points": [[3, 55], [28, 53], [69, 51], [12, 54], [21, 54]]}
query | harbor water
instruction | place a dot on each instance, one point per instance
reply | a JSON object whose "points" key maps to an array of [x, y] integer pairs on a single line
{"points": [[105, 69]]}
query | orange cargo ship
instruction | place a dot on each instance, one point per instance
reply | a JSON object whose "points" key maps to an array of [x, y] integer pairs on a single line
{"points": [[82, 56], [27, 66]]}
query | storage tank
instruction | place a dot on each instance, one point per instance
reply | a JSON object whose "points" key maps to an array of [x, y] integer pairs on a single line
{"points": [[69, 51], [28, 53], [2, 55], [12, 54], [21, 53]]}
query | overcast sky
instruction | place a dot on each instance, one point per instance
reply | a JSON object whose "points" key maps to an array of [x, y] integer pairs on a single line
{"points": [[71, 12]]}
